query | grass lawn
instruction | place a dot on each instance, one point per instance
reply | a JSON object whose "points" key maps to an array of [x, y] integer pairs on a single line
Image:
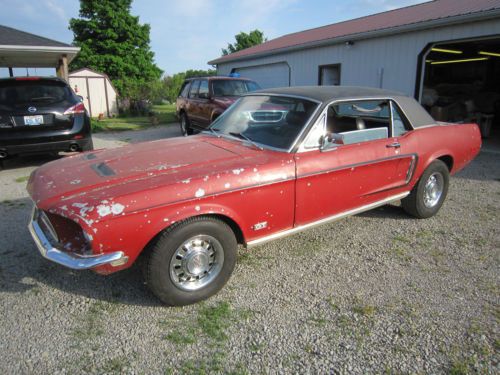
{"points": [[165, 113]]}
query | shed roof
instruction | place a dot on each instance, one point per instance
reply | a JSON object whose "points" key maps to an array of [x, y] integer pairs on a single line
{"points": [[420, 15]]}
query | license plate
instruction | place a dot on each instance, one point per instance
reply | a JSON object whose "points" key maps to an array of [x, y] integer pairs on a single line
{"points": [[33, 120]]}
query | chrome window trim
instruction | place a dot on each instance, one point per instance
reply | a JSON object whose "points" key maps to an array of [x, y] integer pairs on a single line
{"points": [[301, 147]]}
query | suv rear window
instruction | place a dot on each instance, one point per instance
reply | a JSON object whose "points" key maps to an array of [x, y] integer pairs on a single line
{"points": [[227, 87], [14, 93]]}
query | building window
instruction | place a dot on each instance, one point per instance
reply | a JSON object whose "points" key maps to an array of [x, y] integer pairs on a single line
{"points": [[329, 75]]}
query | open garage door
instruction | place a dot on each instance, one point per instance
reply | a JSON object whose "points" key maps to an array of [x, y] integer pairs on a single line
{"points": [[268, 75], [460, 82]]}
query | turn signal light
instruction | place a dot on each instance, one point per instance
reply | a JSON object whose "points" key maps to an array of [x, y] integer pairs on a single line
{"points": [[77, 108]]}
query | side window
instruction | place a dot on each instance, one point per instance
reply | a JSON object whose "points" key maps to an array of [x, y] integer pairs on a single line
{"points": [[359, 121], [193, 93], [203, 91], [318, 130], [185, 89], [400, 124]]}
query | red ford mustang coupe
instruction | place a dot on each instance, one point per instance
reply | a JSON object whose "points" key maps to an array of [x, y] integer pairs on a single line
{"points": [[276, 162]]}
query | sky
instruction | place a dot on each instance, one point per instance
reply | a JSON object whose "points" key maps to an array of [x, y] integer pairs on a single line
{"points": [[186, 34]]}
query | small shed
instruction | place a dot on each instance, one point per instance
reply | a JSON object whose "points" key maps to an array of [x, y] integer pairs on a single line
{"points": [[99, 95]]}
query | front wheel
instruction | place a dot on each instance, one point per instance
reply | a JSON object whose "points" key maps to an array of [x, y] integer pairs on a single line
{"points": [[429, 193], [191, 261], [185, 125]]}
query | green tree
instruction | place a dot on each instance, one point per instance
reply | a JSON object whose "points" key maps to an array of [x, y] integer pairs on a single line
{"points": [[172, 84], [244, 40], [114, 42]]}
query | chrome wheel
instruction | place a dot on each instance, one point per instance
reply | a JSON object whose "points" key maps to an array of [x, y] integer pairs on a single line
{"points": [[196, 263], [433, 190]]}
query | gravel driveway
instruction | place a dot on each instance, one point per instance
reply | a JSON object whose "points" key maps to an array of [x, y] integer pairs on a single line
{"points": [[377, 292]]}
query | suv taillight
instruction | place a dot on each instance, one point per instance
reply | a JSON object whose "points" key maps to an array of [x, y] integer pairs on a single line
{"points": [[77, 108]]}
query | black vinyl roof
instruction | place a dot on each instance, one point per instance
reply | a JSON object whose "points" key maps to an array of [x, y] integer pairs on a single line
{"points": [[417, 115], [329, 93], [14, 37]]}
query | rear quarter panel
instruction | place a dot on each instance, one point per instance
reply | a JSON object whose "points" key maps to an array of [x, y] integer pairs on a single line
{"points": [[461, 142]]}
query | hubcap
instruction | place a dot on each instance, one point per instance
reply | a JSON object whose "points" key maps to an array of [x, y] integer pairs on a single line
{"points": [[433, 190], [196, 263]]}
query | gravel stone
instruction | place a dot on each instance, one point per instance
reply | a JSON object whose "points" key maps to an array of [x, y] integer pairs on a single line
{"points": [[377, 292]]}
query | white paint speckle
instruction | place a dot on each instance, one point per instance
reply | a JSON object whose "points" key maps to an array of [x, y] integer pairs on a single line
{"points": [[205, 178], [187, 181], [117, 208], [75, 182], [105, 210], [238, 171], [165, 219], [197, 208], [199, 193], [227, 185]]}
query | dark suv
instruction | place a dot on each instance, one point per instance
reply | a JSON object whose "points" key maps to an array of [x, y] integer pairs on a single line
{"points": [[203, 99], [41, 114]]}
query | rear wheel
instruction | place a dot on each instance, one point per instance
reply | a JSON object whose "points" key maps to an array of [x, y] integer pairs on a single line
{"points": [[429, 193], [185, 125], [191, 261], [89, 146]]}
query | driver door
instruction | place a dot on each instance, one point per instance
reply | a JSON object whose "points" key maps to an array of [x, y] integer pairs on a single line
{"points": [[341, 178]]}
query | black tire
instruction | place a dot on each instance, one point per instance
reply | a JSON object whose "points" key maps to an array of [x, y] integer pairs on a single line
{"points": [[417, 204], [161, 255], [185, 125], [89, 146]]}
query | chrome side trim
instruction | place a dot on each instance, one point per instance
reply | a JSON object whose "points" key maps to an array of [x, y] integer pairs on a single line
{"points": [[341, 215], [70, 260]]}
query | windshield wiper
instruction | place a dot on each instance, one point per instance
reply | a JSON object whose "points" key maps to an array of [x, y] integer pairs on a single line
{"points": [[214, 131], [41, 98], [243, 136]]}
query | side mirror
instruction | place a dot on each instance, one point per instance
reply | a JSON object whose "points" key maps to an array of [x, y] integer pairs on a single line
{"points": [[80, 97], [329, 140]]}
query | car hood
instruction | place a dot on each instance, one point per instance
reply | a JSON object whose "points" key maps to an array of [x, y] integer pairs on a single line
{"points": [[167, 170]]}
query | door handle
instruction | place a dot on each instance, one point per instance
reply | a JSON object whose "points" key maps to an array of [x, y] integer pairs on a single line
{"points": [[394, 144]]}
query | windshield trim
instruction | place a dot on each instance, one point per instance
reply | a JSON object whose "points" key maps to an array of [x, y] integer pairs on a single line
{"points": [[296, 140]]}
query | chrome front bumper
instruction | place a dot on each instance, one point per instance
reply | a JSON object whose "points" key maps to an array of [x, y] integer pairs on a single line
{"points": [[70, 260]]}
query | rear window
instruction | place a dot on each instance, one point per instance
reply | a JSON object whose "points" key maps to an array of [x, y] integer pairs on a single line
{"points": [[14, 93], [230, 87]]}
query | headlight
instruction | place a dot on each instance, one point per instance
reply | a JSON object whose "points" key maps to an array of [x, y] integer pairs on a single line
{"points": [[65, 232]]}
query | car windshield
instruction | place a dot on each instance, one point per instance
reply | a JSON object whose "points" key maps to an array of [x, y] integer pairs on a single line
{"points": [[272, 121], [15, 93], [233, 87]]}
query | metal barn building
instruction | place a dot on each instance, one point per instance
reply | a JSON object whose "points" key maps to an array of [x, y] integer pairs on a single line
{"points": [[445, 53]]}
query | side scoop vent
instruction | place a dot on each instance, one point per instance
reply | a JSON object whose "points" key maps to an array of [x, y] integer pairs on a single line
{"points": [[102, 170]]}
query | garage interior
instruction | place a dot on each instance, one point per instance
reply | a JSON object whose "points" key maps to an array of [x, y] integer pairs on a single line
{"points": [[461, 83]]}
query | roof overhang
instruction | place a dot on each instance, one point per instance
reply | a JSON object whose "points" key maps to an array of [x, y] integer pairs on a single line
{"points": [[471, 17], [17, 56]]}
